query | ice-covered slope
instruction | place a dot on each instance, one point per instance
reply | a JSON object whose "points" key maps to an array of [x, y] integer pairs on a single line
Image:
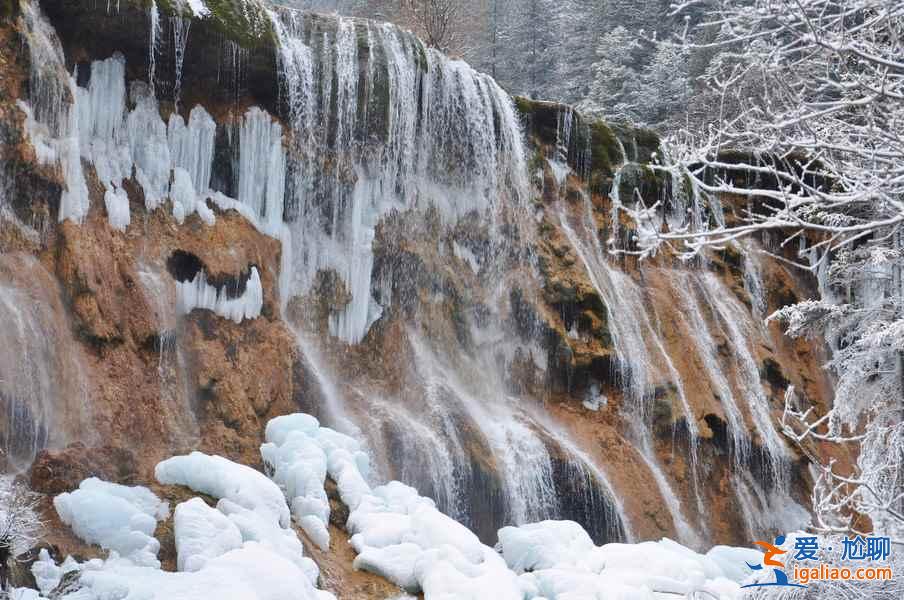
{"points": [[242, 549]]}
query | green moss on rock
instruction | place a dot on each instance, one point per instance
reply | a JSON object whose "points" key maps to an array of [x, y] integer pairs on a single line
{"points": [[604, 149], [244, 22]]}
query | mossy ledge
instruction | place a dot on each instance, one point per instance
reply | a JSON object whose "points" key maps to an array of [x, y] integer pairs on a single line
{"points": [[245, 22], [541, 124], [233, 28]]}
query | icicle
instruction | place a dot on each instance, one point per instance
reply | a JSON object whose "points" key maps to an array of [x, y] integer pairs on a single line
{"points": [[180, 27], [197, 293], [186, 200], [262, 168], [191, 146], [148, 146], [104, 142], [154, 15]]}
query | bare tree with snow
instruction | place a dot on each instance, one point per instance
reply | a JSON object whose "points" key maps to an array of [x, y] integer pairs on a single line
{"points": [[20, 524], [808, 141]]}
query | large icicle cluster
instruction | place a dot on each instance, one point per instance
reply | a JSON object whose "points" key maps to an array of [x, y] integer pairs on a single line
{"points": [[197, 293], [413, 130], [168, 160]]}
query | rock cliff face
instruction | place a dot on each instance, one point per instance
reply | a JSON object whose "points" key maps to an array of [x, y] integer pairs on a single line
{"points": [[378, 248]]}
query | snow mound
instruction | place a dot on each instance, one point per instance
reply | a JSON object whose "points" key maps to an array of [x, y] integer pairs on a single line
{"points": [[258, 529], [222, 478], [251, 572], [558, 560], [240, 550], [114, 517], [202, 533], [396, 532], [299, 454]]}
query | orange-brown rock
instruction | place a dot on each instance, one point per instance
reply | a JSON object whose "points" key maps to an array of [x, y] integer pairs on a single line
{"points": [[57, 471]]}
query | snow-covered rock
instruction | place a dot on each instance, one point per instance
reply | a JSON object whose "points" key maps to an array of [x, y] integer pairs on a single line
{"points": [[222, 478], [202, 533], [558, 560], [115, 517]]}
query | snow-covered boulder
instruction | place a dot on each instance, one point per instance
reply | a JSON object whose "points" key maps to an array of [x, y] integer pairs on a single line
{"points": [[222, 478], [115, 517], [202, 533]]}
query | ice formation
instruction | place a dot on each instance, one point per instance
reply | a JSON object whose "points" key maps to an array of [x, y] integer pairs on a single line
{"points": [[222, 478], [168, 160], [115, 517], [557, 560], [197, 293], [239, 550], [400, 535], [452, 141], [299, 453], [202, 533], [242, 548], [251, 572]]}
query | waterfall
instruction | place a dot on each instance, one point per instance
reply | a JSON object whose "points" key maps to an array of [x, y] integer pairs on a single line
{"points": [[43, 389], [732, 317], [374, 129], [632, 335], [52, 122], [484, 456], [180, 27], [754, 284], [684, 284], [435, 133]]}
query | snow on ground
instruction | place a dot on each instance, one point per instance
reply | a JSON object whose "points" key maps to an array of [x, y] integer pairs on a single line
{"points": [[558, 560], [244, 549]]}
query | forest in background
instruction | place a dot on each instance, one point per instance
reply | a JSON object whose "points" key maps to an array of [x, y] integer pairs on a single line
{"points": [[600, 55]]}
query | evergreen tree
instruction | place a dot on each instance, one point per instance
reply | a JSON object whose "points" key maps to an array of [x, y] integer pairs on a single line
{"points": [[616, 84]]}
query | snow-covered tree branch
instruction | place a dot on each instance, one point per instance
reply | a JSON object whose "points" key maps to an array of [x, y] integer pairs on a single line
{"points": [[808, 141], [20, 523]]}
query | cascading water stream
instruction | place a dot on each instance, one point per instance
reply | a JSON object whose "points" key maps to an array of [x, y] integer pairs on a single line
{"points": [[684, 283], [637, 371], [43, 388], [732, 317], [180, 27], [154, 17]]}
